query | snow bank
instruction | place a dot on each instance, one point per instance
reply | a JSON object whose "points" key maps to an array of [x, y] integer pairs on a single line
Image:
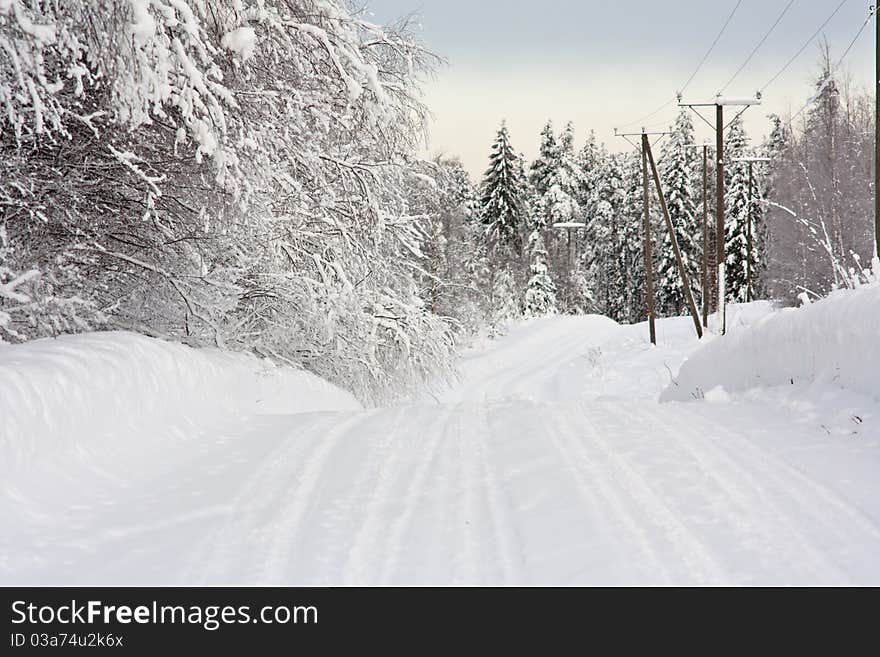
{"points": [[79, 393], [834, 341]]}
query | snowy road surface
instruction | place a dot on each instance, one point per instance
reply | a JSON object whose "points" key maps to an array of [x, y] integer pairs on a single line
{"points": [[549, 463]]}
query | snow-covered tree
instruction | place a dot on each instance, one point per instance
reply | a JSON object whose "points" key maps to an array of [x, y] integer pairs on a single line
{"points": [[678, 168], [606, 236], [540, 298], [739, 259], [559, 204], [503, 203], [224, 173], [820, 211], [560, 182], [453, 279], [589, 160], [546, 163], [631, 243]]}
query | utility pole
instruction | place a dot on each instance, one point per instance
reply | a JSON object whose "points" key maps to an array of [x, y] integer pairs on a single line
{"points": [[751, 162], [719, 104], [646, 227], [705, 281], [876, 131], [646, 240], [685, 282], [705, 298]]}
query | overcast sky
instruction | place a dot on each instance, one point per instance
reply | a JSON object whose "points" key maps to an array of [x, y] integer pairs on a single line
{"points": [[603, 63]]}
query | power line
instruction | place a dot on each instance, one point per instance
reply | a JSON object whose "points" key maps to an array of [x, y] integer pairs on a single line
{"points": [[711, 48], [832, 72], [758, 47], [651, 115], [671, 101], [804, 47]]}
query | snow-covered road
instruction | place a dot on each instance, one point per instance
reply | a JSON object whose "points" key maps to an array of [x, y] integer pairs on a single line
{"points": [[549, 463]]}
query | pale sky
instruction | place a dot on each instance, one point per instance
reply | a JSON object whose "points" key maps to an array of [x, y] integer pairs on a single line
{"points": [[602, 64]]}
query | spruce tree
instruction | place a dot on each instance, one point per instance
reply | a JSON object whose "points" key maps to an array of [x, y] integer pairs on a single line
{"points": [[677, 171], [559, 180], [588, 162], [540, 296], [736, 201], [546, 163], [503, 206], [632, 246], [606, 235]]}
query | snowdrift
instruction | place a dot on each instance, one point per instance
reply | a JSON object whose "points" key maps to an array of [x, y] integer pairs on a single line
{"points": [[81, 392], [833, 342]]}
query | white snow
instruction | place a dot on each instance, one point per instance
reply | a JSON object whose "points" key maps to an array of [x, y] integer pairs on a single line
{"points": [[242, 41], [831, 343], [550, 462], [737, 100], [143, 28], [44, 33], [74, 396]]}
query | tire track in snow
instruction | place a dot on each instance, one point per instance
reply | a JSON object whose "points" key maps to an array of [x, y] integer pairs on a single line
{"points": [[283, 545], [212, 559], [468, 570], [823, 506], [746, 492], [692, 551], [366, 545], [597, 489], [507, 382], [503, 526], [779, 470], [415, 490]]}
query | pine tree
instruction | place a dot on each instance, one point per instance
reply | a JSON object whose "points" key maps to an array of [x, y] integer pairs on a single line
{"points": [[540, 296], [736, 201], [559, 181], [677, 170], [546, 163], [606, 236], [589, 160], [777, 139], [632, 245], [503, 207], [558, 172], [773, 148]]}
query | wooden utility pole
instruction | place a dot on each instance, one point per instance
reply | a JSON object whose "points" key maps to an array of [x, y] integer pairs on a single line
{"points": [[719, 104], [876, 132], [749, 239], [751, 162], [705, 298], [719, 218], [646, 227], [686, 284], [705, 272]]}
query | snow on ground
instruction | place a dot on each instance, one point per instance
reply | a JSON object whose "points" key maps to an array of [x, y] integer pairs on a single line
{"points": [[76, 395], [832, 343], [550, 462]]}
